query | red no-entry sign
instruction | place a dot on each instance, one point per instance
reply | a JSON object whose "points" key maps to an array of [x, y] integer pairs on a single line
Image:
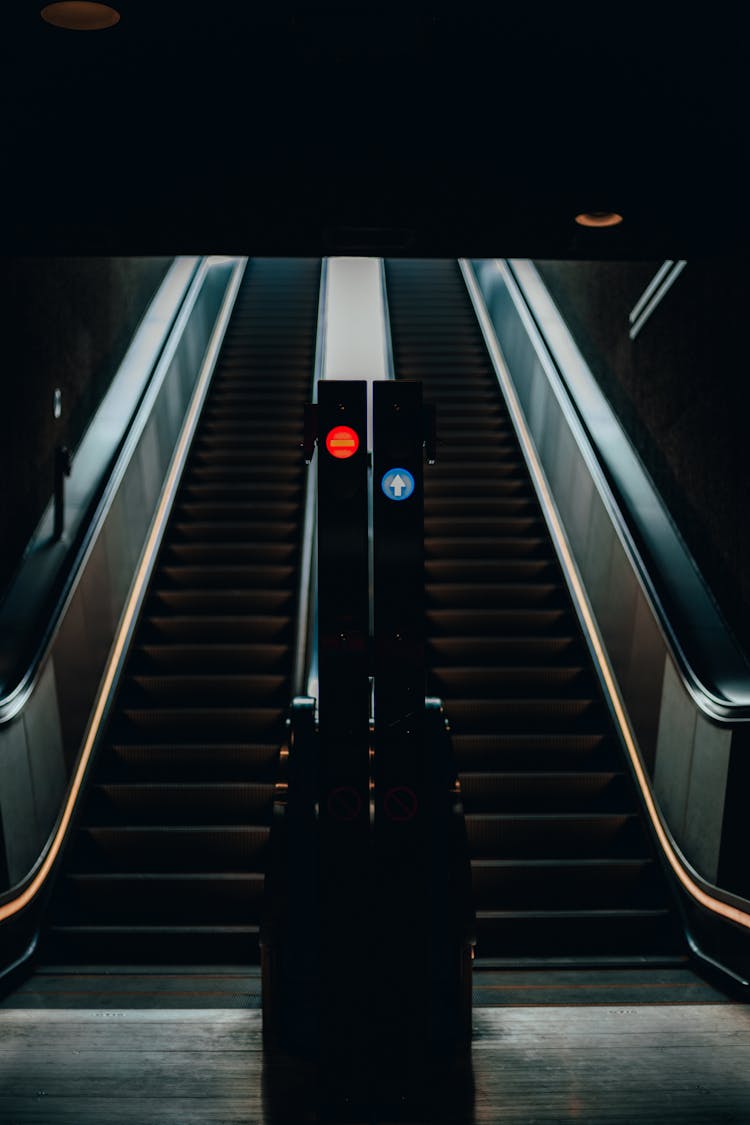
{"points": [[342, 442]]}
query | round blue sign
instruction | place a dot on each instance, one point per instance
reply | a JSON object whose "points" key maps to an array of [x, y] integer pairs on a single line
{"points": [[397, 484]]}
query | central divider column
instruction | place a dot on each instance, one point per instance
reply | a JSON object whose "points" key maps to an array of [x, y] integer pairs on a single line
{"points": [[344, 711], [401, 861]]}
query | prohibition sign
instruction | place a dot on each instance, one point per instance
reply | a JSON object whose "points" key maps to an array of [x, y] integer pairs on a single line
{"points": [[344, 803], [400, 804]]}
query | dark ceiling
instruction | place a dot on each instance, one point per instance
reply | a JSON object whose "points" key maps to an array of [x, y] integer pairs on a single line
{"points": [[411, 128]]}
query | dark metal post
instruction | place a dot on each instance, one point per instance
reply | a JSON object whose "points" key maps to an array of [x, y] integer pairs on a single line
{"points": [[402, 795], [344, 710]]}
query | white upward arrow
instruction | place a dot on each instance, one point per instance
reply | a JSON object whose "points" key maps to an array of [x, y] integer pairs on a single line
{"points": [[398, 484]]}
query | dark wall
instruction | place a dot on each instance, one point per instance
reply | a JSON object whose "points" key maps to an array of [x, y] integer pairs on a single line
{"points": [[64, 322], [682, 390]]}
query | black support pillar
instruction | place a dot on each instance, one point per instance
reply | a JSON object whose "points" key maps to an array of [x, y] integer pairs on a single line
{"points": [[344, 707], [402, 796]]}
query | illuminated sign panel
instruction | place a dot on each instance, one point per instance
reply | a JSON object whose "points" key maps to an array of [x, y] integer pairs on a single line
{"points": [[342, 442]]}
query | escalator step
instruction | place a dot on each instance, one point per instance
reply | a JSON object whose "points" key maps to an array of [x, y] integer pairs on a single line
{"points": [[253, 601], [547, 751], [486, 546], [148, 899], [515, 681], [491, 622], [555, 835], [222, 531], [212, 690], [152, 804], [151, 945], [215, 629], [200, 723], [190, 761], [499, 651], [554, 884], [561, 933], [492, 595], [524, 715], [218, 555], [545, 791], [212, 657], [169, 848]]}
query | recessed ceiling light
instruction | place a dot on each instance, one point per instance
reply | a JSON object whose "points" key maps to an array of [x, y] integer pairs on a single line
{"points": [[598, 219], [80, 15]]}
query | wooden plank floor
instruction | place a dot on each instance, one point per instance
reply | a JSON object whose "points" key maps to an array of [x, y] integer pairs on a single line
{"points": [[600, 1062]]}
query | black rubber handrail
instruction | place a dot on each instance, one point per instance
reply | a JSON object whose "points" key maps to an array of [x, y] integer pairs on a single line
{"points": [[43, 591]]}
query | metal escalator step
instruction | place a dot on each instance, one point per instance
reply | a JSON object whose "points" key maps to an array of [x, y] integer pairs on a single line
{"points": [[536, 836], [499, 651], [489, 570], [189, 761], [154, 898], [554, 884], [497, 622], [250, 601], [554, 750], [526, 714], [169, 848], [180, 803], [202, 723], [215, 554], [578, 933], [284, 480], [453, 484], [486, 546], [514, 681], [244, 419], [545, 791], [284, 463], [555, 835], [214, 690], [481, 526], [246, 525], [218, 656], [241, 433], [493, 595], [446, 509], [222, 575], [217, 501], [218, 627], [488, 426], [151, 945]]}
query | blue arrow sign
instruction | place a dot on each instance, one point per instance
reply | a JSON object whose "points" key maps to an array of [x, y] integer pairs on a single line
{"points": [[397, 484]]}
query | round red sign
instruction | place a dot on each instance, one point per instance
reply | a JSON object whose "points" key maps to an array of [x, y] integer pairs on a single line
{"points": [[342, 442]]}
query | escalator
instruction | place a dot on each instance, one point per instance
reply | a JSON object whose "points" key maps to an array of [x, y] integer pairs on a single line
{"points": [[564, 867], [166, 859]]}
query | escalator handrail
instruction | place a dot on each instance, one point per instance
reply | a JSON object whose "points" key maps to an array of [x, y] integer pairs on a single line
{"points": [[33, 585], [23, 894], [723, 694], [305, 672]]}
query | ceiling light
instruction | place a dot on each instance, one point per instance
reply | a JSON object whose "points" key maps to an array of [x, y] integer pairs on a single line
{"points": [[80, 15], [598, 219]]}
